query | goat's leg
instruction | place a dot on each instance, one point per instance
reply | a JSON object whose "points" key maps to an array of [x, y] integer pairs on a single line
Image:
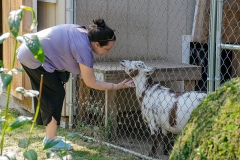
{"points": [[172, 140], [167, 143], [153, 151]]}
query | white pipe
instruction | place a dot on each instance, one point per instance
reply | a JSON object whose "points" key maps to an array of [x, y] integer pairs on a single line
{"points": [[69, 19], [34, 6], [69, 11], [120, 148], [70, 103], [74, 11]]}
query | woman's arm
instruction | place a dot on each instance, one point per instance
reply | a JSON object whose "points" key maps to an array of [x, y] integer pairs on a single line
{"points": [[89, 79]]}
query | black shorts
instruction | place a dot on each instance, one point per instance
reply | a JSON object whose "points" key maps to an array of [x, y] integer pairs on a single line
{"points": [[52, 97]]}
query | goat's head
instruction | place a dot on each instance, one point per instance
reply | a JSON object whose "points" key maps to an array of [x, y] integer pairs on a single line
{"points": [[135, 68]]}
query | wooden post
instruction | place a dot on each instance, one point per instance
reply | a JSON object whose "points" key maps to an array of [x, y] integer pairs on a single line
{"points": [[189, 85], [111, 113], [84, 96]]}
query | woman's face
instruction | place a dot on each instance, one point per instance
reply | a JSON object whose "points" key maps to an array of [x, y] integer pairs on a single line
{"points": [[96, 48]]}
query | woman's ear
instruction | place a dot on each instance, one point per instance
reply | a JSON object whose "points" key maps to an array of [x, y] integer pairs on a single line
{"points": [[94, 45], [97, 44]]}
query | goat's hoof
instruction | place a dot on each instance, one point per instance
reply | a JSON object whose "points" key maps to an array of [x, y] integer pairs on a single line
{"points": [[151, 154], [165, 152]]}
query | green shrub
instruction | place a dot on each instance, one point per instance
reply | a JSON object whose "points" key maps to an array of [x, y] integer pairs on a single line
{"points": [[213, 131]]}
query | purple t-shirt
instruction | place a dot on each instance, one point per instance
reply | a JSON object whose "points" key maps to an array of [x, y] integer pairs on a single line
{"points": [[64, 47]]}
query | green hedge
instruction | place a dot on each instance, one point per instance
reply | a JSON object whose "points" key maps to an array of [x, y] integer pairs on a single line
{"points": [[213, 131]]}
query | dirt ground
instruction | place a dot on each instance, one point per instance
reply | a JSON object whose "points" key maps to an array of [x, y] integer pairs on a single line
{"points": [[134, 139], [139, 142]]}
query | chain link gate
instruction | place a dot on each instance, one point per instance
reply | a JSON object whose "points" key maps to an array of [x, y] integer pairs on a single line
{"points": [[172, 35]]}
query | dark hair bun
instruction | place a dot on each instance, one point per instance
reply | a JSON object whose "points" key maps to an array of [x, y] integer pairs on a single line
{"points": [[100, 23]]}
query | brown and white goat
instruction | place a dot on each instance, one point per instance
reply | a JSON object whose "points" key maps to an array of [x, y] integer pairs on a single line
{"points": [[160, 106]]}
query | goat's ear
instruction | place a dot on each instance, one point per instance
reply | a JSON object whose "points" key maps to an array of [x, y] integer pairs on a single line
{"points": [[149, 70]]}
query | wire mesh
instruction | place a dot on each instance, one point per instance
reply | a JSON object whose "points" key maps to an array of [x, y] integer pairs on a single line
{"points": [[171, 35]]}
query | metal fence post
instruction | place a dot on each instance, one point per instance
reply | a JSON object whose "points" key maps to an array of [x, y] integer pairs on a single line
{"points": [[218, 40], [212, 45]]}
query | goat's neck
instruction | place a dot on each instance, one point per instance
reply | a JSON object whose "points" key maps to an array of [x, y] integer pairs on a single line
{"points": [[142, 83]]}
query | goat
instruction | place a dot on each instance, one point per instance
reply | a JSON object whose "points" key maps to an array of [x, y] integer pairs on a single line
{"points": [[160, 106]]}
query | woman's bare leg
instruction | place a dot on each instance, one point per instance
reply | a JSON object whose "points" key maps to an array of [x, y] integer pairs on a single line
{"points": [[51, 129], [51, 133]]}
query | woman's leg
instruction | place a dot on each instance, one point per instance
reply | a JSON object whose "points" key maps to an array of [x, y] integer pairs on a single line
{"points": [[52, 98], [51, 129]]}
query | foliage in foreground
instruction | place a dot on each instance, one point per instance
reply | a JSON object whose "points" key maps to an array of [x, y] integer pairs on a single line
{"points": [[213, 131], [6, 77], [82, 148]]}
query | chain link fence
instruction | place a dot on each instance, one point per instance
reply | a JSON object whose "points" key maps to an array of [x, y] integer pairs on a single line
{"points": [[171, 35]]}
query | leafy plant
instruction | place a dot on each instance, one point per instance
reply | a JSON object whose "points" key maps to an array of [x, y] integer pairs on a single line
{"points": [[95, 112], [34, 45], [95, 125], [6, 77]]}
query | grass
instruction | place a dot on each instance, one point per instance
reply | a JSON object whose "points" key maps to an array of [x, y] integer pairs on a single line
{"points": [[82, 149]]}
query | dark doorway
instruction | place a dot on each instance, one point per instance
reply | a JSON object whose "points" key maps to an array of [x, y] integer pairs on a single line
{"points": [[199, 56]]}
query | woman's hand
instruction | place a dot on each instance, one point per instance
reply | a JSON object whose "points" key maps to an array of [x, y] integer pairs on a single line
{"points": [[90, 80], [126, 84]]}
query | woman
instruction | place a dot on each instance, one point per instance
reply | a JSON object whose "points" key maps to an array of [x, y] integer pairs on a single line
{"points": [[67, 48]]}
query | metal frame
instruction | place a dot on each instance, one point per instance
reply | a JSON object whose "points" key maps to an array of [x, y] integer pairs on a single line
{"points": [[219, 44]]}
